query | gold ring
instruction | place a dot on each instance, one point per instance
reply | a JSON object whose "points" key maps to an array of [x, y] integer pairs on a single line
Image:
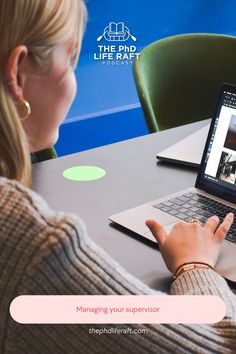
{"points": [[196, 221]]}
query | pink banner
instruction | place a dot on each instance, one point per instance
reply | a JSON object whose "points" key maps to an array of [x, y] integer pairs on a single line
{"points": [[117, 309]]}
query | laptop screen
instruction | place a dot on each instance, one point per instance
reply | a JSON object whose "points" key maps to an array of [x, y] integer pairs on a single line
{"points": [[217, 173]]}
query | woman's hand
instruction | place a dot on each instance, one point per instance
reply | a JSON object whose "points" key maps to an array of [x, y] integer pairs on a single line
{"points": [[191, 242]]}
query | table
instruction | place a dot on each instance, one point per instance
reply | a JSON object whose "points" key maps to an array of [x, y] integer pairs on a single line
{"points": [[133, 176]]}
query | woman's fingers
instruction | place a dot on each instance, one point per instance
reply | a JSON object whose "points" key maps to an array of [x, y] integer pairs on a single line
{"points": [[157, 231], [212, 224], [224, 227]]}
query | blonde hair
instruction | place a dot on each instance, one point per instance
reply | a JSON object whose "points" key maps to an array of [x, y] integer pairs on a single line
{"points": [[39, 25]]}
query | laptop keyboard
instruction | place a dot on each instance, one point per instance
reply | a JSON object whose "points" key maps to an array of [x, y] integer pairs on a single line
{"points": [[192, 205]]}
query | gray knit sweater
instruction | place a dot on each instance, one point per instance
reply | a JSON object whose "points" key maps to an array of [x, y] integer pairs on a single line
{"points": [[47, 252]]}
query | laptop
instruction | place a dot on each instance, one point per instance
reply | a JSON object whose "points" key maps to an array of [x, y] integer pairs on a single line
{"points": [[214, 191], [177, 153]]}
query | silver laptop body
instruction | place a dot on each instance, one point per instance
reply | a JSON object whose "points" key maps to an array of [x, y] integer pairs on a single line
{"points": [[177, 153], [216, 180]]}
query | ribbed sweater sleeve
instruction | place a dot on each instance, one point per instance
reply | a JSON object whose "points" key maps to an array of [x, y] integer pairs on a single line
{"points": [[46, 252]]}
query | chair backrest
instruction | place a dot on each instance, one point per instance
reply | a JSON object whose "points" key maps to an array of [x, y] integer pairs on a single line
{"points": [[178, 78], [43, 155]]}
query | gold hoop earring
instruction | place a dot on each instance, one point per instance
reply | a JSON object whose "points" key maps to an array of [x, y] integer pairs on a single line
{"points": [[24, 109]]}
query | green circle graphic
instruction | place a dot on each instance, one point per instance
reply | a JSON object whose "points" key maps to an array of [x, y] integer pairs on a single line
{"points": [[84, 173]]}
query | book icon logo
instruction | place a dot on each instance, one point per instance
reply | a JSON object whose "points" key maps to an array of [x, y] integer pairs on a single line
{"points": [[116, 32]]}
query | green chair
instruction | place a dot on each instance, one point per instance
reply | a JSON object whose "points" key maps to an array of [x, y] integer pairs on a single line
{"points": [[43, 155], [178, 78]]}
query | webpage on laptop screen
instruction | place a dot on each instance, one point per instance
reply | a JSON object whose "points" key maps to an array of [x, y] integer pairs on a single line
{"points": [[221, 155]]}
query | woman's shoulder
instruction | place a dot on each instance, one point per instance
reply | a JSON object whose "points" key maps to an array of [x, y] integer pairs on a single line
{"points": [[29, 227], [22, 207], [11, 190], [18, 201]]}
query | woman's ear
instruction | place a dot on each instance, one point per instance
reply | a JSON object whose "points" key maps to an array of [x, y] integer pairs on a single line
{"points": [[15, 72]]}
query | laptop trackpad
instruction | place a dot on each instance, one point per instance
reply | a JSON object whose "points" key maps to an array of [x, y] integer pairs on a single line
{"points": [[169, 227], [226, 264]]}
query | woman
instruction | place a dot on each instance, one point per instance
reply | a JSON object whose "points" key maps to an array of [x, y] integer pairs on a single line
{"points": [[46, 252]]}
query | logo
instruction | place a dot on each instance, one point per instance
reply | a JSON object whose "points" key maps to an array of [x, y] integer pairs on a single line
{"points": [[116, 54], [116, 32]]}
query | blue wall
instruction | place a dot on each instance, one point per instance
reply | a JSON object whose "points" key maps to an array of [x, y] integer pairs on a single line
{"points": [[103, 90]]}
